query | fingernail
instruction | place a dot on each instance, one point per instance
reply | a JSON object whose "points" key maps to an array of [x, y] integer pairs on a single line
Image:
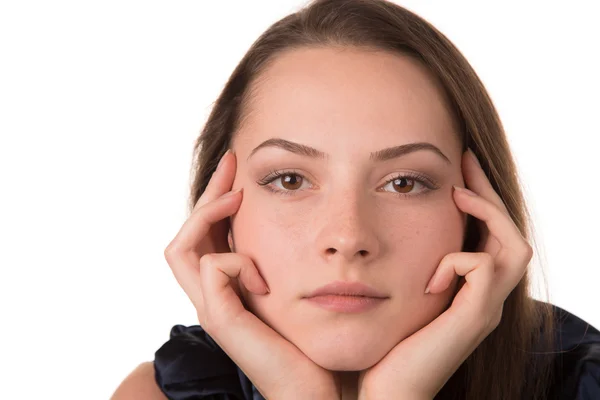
{"points": [[428, 288], [231, 193], [464, 190], [474, 157], [265, 288], [223, 157]]}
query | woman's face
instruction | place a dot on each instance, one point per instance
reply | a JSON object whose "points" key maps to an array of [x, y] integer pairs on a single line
{"points": [[338, 213]]}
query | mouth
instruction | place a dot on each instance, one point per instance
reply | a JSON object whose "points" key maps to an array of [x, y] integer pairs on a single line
{"points": [[346, 303], [340, 296]]}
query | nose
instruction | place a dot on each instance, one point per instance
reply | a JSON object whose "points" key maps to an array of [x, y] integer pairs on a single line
{"points": [[346, 232]]}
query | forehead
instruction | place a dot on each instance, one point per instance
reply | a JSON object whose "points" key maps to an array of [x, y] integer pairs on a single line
{"points": [[318, 95]]}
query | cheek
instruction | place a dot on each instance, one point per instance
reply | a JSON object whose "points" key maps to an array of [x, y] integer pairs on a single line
{"points": [[427, 224], [416, 239], [419, 238], [272, 234], [414, 234], [274, 237]]}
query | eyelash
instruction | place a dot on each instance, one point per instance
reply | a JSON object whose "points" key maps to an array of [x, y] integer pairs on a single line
{"points": [[422, 179]]}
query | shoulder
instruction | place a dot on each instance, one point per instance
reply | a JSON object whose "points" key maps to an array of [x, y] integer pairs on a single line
{"points": [[577, 361], [139, 384], [192, 363]]}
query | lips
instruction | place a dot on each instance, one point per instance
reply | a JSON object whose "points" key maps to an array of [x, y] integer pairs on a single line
{"points": [[347, 297], [340, 288]]}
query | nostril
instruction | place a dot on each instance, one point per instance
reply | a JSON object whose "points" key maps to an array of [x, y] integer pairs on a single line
{"points": [[363, 253]]}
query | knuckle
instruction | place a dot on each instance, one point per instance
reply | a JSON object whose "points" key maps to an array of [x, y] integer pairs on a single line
{"points": [[487, 259], [487, 262], [527, 251], [170, 250], [450, 258], [208, 260]]}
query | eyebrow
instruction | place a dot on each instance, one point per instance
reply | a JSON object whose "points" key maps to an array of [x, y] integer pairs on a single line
{"points": [[380, 155]]}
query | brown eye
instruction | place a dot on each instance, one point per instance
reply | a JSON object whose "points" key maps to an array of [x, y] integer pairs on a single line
{"points": [[291, 181], [285, 182], [403, 185]]}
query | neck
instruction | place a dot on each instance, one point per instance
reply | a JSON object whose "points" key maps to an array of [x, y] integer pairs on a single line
{"points": [[348, 381]]}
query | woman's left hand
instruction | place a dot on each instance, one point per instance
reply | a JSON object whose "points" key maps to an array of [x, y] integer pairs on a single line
{"points": [[419, 366]]}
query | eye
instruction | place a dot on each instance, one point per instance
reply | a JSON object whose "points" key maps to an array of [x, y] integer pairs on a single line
{"points": [[289, 182], [403, 185]]}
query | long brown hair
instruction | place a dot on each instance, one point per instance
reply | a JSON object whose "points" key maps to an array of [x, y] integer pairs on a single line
{"points": [[513, 362]]}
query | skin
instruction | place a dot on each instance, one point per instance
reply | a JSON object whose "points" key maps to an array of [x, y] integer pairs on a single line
{"points": [[346, 222], [416, 368]]}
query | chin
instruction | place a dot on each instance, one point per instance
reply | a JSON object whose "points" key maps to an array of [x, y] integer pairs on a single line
{"points": [[348, 342], [338, 351]]}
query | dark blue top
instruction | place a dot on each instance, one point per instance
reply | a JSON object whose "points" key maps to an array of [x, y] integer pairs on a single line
{"points": [[192, 366]]}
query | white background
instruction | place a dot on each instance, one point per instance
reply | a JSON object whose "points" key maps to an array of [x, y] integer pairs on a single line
{"points": [[100, 103]]}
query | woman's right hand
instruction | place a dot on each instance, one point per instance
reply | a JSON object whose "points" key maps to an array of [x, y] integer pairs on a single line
{"points": [[204, 267]]}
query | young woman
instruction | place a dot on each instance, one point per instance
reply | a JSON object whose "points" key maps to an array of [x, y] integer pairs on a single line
{"points": [[333, 252]]}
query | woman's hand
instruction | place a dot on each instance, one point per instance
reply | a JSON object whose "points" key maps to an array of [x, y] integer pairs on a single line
{"points": [[207, 271], [419, 366]]}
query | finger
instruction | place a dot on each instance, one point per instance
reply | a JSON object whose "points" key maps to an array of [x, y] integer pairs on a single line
{"points": [[461, 264], [475, 301], [217, 271], [221, 268], [241, 335], [199, 222], [478, 270], [446, 342], [443, 345], [514, 253], [221, 180], [477, 181], [180, 253]]}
